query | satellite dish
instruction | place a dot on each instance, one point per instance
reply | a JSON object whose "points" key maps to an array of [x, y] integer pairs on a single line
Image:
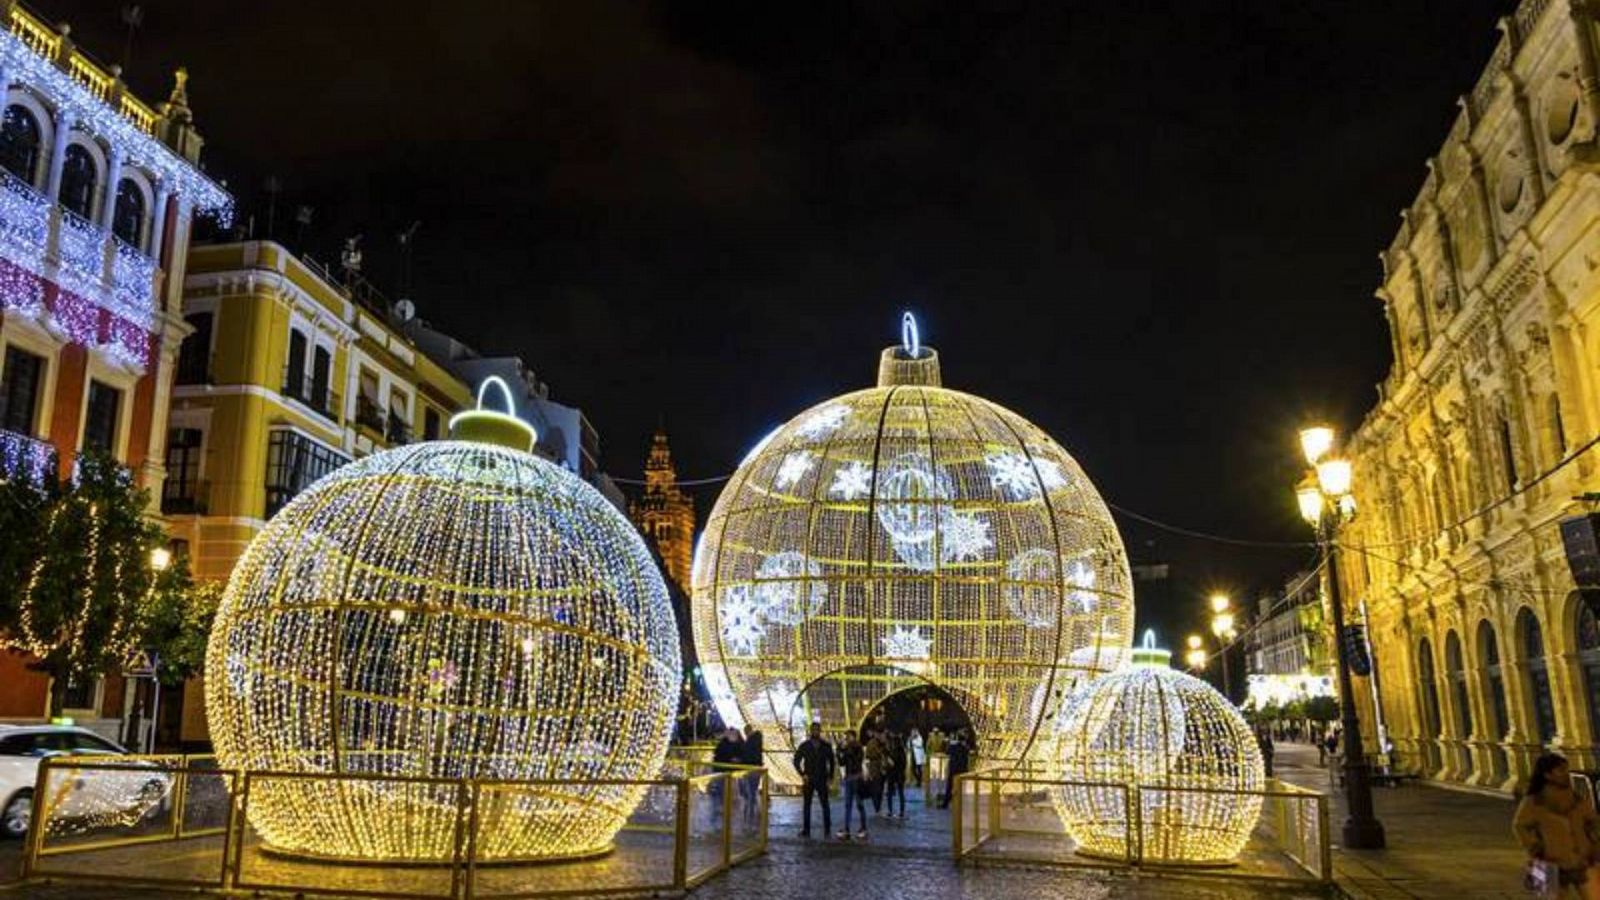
{"points": [[405, 310]]}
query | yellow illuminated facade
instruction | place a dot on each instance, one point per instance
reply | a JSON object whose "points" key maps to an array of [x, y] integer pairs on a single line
{"points": [[286, 375], [665, 514], [447, 610], [903, 535], [1482, 439], [1186, 748]]}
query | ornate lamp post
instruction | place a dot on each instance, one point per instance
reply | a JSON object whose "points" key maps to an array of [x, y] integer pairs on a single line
{"points": [[1222, 628], [1326, 502]]}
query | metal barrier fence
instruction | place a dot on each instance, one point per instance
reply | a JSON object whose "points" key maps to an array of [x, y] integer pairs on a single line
{"points": [[1004, 815], [95, 819]]}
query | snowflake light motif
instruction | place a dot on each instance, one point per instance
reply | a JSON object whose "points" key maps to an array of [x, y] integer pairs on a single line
{"points": [[823, 420], [792, 469], [852, 482], [1013, 472], [742, 629], [1080, 574], [1050, 474], [780, 596], [965, 538], [906, 643]]}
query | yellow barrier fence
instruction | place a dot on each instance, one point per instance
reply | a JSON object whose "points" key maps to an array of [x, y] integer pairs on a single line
{"points": [[1005, 815], [183, 821]]}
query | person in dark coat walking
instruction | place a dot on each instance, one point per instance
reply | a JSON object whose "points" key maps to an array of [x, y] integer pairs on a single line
{"points": [[815, 762], [750, 782], [960, 759], [894, 774]]}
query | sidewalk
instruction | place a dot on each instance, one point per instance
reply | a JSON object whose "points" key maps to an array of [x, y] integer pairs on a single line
{"points": [[1441, 843]]}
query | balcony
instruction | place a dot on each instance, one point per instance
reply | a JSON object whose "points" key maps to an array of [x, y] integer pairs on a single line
{"points": [[294, 462], [185, 498], [397, 432], [370, 415], [26, 457], [324, 402]]}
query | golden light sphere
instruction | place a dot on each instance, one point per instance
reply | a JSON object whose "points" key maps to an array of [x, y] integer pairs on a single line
{"points": [[1187, 749], [899, 536], [446, 610]]}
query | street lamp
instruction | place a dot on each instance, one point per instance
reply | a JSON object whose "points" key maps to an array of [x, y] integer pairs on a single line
{"points": [[160, 559], [1325, 502], [1222, 628], [1196, 656]]}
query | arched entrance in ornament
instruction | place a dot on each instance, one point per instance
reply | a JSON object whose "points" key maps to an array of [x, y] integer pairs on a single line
{"points": [[923, 708], [844, 700]]}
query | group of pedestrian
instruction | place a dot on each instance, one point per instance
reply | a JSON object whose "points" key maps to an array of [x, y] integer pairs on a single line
{"points": [[872, 770], [745, 748]]}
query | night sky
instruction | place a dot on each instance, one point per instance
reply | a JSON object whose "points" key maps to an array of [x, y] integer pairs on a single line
{"points": [[1151, 228]]}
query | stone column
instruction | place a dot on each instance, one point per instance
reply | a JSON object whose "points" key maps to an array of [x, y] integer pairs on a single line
{"points": [[108, 204], [157, 224], [58, 154]]}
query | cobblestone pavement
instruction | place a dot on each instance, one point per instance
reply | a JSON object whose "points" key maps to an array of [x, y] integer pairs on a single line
{"points": [[1441, 843]]}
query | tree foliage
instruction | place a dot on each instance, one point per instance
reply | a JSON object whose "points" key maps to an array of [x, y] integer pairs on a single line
{"points": [[77, 588]]}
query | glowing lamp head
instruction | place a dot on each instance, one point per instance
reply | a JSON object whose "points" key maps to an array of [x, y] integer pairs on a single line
{"points": [[1222, 624], [1315, 442], [1194, 642], [1333, 476], [160, 559], [1220, 603], [1309, 497]]}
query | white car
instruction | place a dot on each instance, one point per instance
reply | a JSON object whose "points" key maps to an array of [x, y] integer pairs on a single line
{"points": [[103, 796]]}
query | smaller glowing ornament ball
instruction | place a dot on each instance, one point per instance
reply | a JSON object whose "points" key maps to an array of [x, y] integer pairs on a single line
{"points": [[448, 610], [1180, 741]]}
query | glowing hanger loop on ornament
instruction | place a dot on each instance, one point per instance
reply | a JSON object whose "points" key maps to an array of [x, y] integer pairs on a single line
{"points": [[491, 426], [910, 340], [505, 392]]}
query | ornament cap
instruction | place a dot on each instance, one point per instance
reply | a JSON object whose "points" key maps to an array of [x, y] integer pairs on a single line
{"points": [[1148, 654], [911, 361], [487, 426]]}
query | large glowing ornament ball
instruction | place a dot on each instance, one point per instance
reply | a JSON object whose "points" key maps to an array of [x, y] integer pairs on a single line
{"points": [[1181, 743], [447, 610], [903, 535]]}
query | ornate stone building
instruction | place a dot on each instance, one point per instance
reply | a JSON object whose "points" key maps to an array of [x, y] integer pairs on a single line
{"points": [[665, 513], [1485, 427]]}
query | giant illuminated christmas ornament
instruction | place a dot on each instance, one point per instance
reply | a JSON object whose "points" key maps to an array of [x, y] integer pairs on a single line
{"points": [[1185, 748], [903, 535], [454, 609]]}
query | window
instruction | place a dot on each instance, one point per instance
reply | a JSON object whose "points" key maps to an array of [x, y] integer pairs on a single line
{"points": [[397, 430], [194, 355], [78, 177], [1430, 702], [21, 377], [430, 424], [20, 142], [294, 461], [294, 378], [82, 742], [1558, 431], [321, 374], [180, 492], [127, 218], [80, 694], [24, 745], [1457, 676], [1508, 454], [100, 421], [368, 411], [1489, 650], [1537, 671]]}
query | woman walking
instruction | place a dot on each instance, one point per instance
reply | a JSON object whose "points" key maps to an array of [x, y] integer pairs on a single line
{"points": [[919, 754], [1557, 826], [855, 786]]}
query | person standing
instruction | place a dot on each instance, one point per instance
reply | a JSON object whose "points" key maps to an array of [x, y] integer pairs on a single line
{"points": [[959, 758], [1556, 825], [751, 754], [728, 753], [1264, 740], [918, 754], [894, 776], [852, 759], [873, 770], [814, 760]]}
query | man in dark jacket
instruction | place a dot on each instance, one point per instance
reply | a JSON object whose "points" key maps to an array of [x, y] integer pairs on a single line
{"points": [[815, 763], [960, 760]]}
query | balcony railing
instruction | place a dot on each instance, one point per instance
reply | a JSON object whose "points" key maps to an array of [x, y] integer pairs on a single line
{"points": [[24, 216], [397, 432], [323, 401], [46, 43], [185, 498], [26, 457], [369, 414], [81, 247]]}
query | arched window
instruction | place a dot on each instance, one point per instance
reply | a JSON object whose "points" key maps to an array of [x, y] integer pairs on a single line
{"points": [[1589, 654], [1537, 672], [78, 179], [127, 220], [20, 143], [1457, 675], [1558, 430], [1489, 652], [1430, 702], [1507, 454]]}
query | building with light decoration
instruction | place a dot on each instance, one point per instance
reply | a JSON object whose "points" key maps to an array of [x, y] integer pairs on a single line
{"points": [[664, 513], [98, 192], [1286, 650], [1483, 434]]}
